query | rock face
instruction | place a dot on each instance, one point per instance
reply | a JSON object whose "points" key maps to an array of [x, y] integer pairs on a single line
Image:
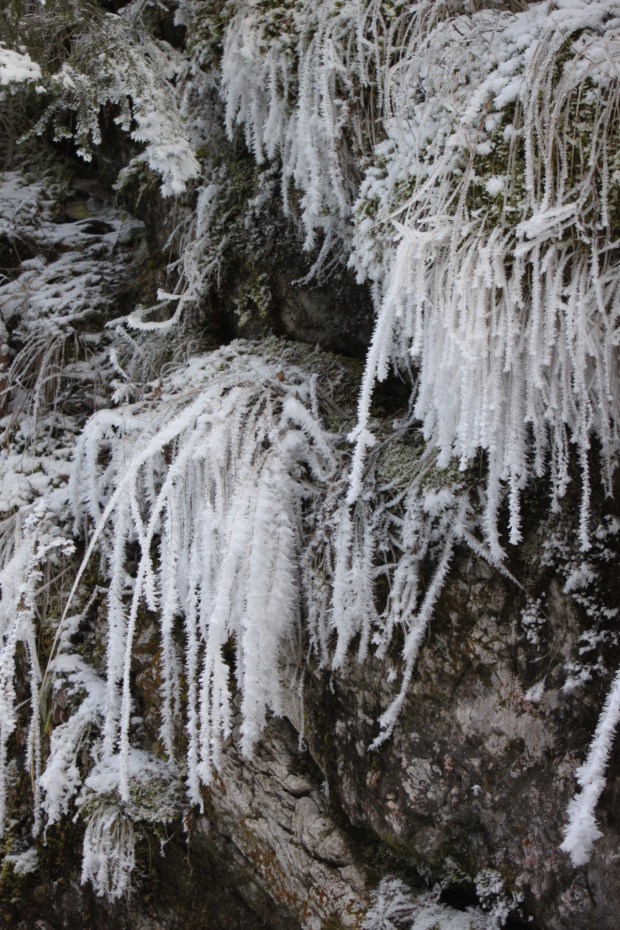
{"points": [[275, 812], [475, 775], [470, 791], [474, 781]]}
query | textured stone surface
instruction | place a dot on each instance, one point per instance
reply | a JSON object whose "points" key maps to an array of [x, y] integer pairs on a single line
{"points": [[475, 777], [274, 810]]}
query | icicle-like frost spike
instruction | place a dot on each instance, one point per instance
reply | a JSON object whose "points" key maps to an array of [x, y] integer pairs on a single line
{"points": [[435, 522], [582, 830]]}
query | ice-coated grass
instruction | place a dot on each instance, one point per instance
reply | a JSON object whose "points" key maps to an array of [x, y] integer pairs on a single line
{"points": [[464, 161]]}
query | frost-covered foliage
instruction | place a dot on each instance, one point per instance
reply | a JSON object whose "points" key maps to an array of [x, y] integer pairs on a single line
{"points": [[500, 280], [582, 829], [486, 216], [113, 61], [66, 275], [108, 66], [209, 484], [288, 76], [464, 160], [54, 293], [394, 907]]}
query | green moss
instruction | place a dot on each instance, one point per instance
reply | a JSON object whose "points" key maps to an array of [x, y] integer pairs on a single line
{"points": [[254, 298]]}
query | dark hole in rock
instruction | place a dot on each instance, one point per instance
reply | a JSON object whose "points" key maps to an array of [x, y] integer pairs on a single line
{"points": [[460, 896]]}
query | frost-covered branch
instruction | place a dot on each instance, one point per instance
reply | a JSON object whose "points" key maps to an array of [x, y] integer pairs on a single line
{"points": [[212, 484]]}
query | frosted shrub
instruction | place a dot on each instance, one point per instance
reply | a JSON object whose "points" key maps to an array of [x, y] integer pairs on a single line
{"points": [[485, 218], [109, 852], [34, 544], [488, 221], [227, 485], [209, 484], [112, 59], [502, 283]]}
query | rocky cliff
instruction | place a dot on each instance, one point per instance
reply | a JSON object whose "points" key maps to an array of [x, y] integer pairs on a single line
{"points": [[309, 583]]}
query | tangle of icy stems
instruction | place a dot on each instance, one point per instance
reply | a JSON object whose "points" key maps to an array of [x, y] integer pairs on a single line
{"points": [[504, 287], [307, 82], [109, 852], [198, 266], [405, 529], [215, 477], [33, 545]]}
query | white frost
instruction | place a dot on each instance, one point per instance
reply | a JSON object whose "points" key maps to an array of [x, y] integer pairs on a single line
{"points": [[16, 67]]}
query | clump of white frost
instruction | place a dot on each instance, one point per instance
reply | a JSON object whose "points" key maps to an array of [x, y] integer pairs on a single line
{"points": [[111, 825], [16, 67], [62, 777], [534, 694], [396, 907], [109, 852], [23, 863], [532, 621], [209, 483]]}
